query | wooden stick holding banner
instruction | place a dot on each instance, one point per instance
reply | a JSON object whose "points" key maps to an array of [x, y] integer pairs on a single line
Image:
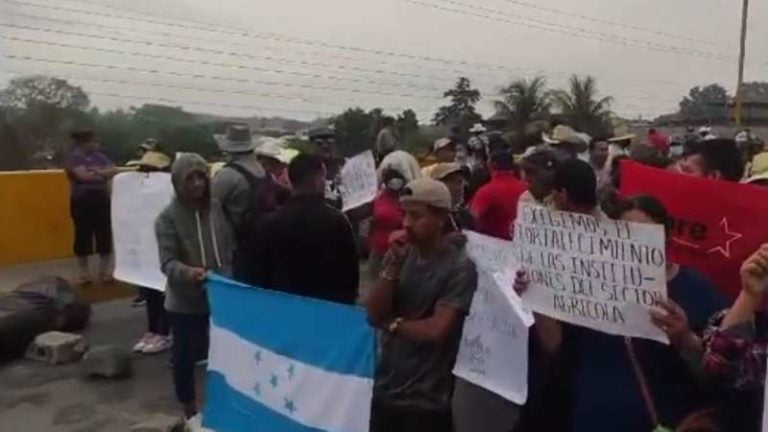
{"points": [[359, 181], [594, 272]]}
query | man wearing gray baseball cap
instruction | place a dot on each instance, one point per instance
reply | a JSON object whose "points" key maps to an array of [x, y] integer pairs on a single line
{"points": [[423, 294]]}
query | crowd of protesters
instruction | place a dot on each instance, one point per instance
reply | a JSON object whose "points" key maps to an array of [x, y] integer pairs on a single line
{"points": [[273, 219]]}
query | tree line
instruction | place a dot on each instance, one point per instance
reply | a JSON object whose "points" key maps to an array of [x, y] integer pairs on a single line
{"points": [[38, 112]]}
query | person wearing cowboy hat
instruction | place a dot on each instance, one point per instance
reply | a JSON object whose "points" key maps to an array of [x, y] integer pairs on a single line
{"points": [[232, 184], [444, 151], [621, 141], [275, 160], [564, 139], [478, 141]]}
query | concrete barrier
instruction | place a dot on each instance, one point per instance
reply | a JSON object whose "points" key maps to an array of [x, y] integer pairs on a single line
{"points": [[35, 224]]}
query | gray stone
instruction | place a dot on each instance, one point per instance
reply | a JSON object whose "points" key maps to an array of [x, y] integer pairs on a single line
{"points": [[57, 347], [107, 361], [160, 423]]}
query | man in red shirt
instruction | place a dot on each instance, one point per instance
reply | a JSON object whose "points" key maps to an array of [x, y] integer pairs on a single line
{"points": [[494, 206], [659, 141]]}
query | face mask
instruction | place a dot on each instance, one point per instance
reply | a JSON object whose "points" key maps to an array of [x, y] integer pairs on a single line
{"points": [[395, 184]]}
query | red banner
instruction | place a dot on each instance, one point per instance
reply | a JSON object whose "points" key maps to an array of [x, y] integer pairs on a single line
{"points": [[715, 224]]}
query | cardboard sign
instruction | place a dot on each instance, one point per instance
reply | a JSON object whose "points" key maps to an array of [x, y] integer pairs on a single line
{"points": [[137, 200], [594, 272], [359, 182], [493, 353]]}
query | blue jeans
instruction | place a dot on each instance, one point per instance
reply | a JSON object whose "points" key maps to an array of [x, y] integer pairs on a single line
{"points": [[190, 344]]}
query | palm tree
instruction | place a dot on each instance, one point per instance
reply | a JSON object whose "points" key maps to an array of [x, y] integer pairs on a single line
{"points": [[581, 107], [522, 99]]}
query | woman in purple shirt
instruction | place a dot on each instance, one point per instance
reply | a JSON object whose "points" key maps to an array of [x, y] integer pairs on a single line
{"points": [[89, 171]]}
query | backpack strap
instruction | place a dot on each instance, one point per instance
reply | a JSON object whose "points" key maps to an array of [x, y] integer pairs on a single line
{"points": [[253, 185]]}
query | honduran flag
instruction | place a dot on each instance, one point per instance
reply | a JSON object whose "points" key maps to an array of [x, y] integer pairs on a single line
{"points": [[279, 362]]}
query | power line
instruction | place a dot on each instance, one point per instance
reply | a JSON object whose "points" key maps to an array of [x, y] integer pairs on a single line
{"points": [[190, 102], [212, 77], [564, 29], [239, 92], [228, 65], [261, 57], [611, 23], [377, 71], [236, 31], [197, 49]]}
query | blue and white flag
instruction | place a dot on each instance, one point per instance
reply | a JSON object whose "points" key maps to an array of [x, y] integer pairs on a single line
{"points": [[285, 363]]}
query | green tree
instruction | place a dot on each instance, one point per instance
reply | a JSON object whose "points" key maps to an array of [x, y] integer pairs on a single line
{"points": [[460, 113], [407, 123], [708, 103], [43, 111], [522, 99], [581, 107], [356, 130], [12, 154]]}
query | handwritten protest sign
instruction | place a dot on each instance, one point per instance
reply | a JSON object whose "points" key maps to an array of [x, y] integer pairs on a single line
{"points": [[499, 258], [598, 273], [137, 200], [494, 345], [359, 182]]}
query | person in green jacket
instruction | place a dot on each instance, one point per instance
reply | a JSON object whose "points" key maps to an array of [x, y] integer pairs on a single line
{"points": [[193, 238]]}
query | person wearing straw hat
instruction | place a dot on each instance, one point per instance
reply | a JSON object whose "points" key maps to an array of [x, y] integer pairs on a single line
{"points": [[621, 141], [157, 337], [565, 140], [444, 151], [275, 160], [478, 141], [232, 185], [758, 170]]}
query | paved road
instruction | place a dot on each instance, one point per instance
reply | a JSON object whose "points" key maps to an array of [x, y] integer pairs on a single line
{"points": [[42, 398]]}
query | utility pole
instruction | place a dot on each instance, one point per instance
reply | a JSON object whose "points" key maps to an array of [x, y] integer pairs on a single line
{"points": [[742, 52]]}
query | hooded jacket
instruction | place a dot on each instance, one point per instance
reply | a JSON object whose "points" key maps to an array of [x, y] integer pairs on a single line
{"points": [[188, 238]]}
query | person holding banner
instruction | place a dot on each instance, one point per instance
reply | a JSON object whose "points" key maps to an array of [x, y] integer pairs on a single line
{"points": [[629, 384], [423, 294], [193, 238], [737, 346], [718, 159], [157, 338]]}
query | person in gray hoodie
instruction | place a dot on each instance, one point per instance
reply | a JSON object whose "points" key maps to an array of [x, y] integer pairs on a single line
{"points": [[193, 238]]}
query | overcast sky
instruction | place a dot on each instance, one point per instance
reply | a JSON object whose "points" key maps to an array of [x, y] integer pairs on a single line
{"points": [[305, 58]]}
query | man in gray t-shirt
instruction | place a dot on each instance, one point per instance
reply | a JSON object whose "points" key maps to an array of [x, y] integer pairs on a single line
{"points": [[420, 302]]}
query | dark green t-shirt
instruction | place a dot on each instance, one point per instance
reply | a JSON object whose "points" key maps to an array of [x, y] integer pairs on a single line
{"points": [[418, 375]]}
